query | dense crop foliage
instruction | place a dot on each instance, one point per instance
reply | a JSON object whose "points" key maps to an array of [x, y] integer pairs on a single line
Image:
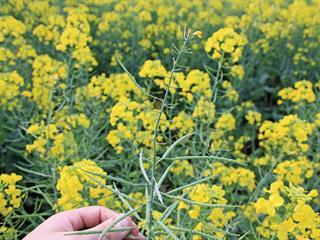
{"points": [[200, 119]]}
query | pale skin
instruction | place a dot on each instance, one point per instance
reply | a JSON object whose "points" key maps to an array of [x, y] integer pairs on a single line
{"points": [[93, 218]]}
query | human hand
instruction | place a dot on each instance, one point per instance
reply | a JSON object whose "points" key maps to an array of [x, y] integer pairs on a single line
{"points": [[92, 218]]}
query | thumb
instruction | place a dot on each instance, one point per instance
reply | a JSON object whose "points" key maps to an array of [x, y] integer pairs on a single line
{"points": [[124, 223]]}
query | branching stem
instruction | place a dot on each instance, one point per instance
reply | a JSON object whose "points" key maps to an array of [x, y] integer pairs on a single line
{"points": [[187, 37]]}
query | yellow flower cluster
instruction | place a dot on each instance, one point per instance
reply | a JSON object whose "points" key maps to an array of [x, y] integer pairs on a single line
{"points": [[182, 124], [204, 108], [231, 92], [195, 83], [287, 213], [302, 91], [217, 140], [10, 89], [231, 176], [183, 167], [9, 26], [219, 218], [48, 77], [115, 86], [239, 147], [56, 139], [6, 56], [65, 98], [202, 194], [226, 41], [317, 119], [76, 36], [226, 122], [13, 45], [264, 160], [43, 134], [237, 71], [279, 20], [50, 31], [295, 171], [290, 135], [127, 116], [153, 69], [76, 120], [155, 24], [80, 185], [253, 117], [10, 195], [189, 86]]}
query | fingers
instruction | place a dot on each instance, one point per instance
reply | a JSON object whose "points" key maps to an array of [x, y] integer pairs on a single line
{"points": [[124, 223], [120, 235], [84, 218], [90, 218]]}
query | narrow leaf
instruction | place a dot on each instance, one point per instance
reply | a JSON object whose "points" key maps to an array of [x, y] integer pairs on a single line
{"points": [[156, 189], [142, 167], [180, 140]]}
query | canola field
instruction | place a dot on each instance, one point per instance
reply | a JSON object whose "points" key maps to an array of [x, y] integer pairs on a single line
{"points": [[200, 119]]}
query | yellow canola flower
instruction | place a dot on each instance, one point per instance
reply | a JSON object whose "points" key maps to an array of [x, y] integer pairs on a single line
{"points": [[183, 123], [50, 31], [78, 120], [263, 206], [133, 121], [276, 200], [231, 176], [77, 185], [226, 40], [115, 86], [194, 212], [299, 214], [226, 122], [204, 108], [152, 69], [10, 89], [10, 195], [231, 92], [253, 117], [47, 74], [302, 91], [237, 70], [289, 133], [203, 194], [56, 139], [183, 167], [76, 37], [196, 83], [9, 26], [220, 217], [295, 171]]}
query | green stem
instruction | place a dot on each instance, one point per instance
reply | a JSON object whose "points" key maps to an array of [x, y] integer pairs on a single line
{"points": [[154, 139]]}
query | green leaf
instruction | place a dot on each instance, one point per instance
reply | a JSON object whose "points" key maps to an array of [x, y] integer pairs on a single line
{"points": [[156, 189], [142, 167], [180, 140]]}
